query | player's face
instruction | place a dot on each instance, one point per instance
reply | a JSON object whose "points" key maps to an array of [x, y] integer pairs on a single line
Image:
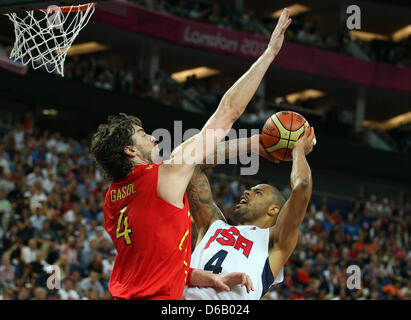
{"points": [[146, 144], [253, 204]]}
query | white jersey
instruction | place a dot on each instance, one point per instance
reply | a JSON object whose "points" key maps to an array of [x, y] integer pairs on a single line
{"points": [[225, 248]]}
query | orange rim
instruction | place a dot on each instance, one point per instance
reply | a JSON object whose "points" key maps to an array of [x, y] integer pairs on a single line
{"points": [[82, 7]]}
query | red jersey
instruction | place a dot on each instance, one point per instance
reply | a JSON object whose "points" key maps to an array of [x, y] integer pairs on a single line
{"points": [[152, 238]]}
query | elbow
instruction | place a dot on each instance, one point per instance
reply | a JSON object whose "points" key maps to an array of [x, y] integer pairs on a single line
{"points": [[230, 110], [303, 189], [304, 183]]}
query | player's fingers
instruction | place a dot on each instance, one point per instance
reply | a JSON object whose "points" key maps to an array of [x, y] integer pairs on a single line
{"points": [[285, 14], [287, 24], [266, 155], [307, 130], [312, 136], [249, 284], [244, 281], [283, 17]]}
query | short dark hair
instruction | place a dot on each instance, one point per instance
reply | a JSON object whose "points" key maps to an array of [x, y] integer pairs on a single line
{"points": [[278, 197], [108, 143]]}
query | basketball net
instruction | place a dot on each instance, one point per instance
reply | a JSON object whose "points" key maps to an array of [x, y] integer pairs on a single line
{"points": [[43, 37]]}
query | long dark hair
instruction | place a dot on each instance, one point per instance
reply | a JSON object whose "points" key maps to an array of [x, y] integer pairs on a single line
{"points": [[108, 143]]}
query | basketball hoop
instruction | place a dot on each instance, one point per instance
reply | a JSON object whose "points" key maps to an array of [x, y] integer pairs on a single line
{"points": [[44, 36]]}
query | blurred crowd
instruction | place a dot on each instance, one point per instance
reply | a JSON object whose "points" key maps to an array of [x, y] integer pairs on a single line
{"points": [[51, 215], [200, 94], [227, 15]]}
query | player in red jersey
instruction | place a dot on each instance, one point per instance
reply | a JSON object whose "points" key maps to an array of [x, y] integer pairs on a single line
{"points": [[146, 208]]}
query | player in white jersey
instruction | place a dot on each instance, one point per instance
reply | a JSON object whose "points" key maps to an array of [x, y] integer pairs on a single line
{"points": [[265, 235]]}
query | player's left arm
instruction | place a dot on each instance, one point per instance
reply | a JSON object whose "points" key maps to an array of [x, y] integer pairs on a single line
{"points": [[202, 206], [235, 148], [284, 234]]}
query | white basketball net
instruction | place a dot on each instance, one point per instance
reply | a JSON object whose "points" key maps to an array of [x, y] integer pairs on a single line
{"points": [[43, 37]]}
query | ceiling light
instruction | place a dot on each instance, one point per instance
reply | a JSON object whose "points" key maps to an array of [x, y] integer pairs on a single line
{"points": [[295, 9], [49, 112], [86, 47], [389, 124], [402, 33], [200, 72], [367, 36], [304, 95]]}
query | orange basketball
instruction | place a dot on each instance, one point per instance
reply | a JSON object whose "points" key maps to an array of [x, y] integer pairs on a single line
{"points": [[280, 132]]}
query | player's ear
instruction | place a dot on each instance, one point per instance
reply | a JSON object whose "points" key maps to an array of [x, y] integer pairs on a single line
{"points": [[273, 210], [130, 151]]}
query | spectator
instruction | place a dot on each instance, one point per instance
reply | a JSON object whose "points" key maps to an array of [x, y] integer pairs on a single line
{"points": [[96, 263], [38, 218], [351, 227], [40, 294], [5, 209], [64, 266], [68, 292], [372, 204], [90, 251], [91, 283], [108, 265], [7, 271], [29, 252], [19, 137], [384, 207], [6, 182], [7, 294]]}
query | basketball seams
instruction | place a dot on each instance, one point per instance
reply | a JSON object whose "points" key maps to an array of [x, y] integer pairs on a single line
{"points": [[288, 139], [281, 121], [280, 137], [269, 134], [289, 136]]}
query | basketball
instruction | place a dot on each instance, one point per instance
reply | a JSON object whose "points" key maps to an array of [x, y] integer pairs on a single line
{"points": [[280, 132]]}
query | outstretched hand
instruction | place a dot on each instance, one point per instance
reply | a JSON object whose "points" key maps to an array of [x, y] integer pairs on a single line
{"points": [[277, 37], [225, 281]]}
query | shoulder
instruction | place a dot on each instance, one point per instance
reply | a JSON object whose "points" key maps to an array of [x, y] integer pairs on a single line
{"points": [[219, 223]]}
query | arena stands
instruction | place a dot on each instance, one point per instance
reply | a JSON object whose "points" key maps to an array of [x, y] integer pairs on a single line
{"points": [[51, 202], [301, 31]]}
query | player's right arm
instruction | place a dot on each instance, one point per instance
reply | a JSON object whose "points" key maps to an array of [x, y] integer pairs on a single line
{"points": [[177, 171], [284, 234]]}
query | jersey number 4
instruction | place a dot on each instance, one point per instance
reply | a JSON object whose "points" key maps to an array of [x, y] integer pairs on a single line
{"points": [[122, 223], [214, 264]]}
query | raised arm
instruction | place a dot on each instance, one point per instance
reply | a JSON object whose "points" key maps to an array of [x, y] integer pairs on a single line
{"points": [[178, 170], [284, 234]]}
